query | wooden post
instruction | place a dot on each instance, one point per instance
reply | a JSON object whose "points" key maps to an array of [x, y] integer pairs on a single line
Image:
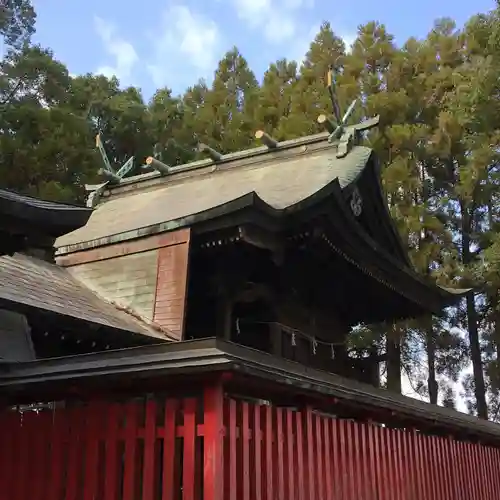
{"points": [[213, 460]]}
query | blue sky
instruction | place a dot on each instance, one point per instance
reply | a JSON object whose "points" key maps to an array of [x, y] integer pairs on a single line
{"points": [[156, 43]]}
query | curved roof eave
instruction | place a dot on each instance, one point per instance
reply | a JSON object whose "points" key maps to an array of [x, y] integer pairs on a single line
{"points": [[57, 218], [389, 270]]}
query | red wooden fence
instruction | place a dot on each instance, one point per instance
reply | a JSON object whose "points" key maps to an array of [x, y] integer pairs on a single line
{"points": [[192, 448]]}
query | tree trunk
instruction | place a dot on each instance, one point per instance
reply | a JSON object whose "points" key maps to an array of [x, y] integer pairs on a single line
{"points": [[393, 361], [472, 320], [431, 360], [475, 353]]}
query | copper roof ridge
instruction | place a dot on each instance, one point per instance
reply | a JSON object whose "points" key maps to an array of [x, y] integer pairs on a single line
{"points": [[222, 160]]}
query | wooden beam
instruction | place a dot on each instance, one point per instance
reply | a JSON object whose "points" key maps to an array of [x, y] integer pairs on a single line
{"points": [[215, 155], [159, 166], [266, 139]]}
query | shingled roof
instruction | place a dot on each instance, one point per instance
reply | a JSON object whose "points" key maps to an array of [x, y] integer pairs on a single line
{"points": [[280, 178], [55, 218], [37, 284]]}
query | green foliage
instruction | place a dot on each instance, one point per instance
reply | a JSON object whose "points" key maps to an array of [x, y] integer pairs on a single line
{"points": [[439, 107], [17, 22]]}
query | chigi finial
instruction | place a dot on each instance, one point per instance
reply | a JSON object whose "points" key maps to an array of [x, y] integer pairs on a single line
{"points": [[338, 129], [110, 176], [108, 171]]}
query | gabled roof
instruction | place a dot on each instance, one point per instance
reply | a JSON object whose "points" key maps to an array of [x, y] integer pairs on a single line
{"points": [[51, 218], [28, 283], [281, 178]]}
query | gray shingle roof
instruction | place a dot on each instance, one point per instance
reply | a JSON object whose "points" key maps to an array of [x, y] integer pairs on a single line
{"points": [[42, 285], [281, 179]]}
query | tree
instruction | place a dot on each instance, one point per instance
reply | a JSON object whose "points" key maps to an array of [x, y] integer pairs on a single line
{"points": [[17, 22], [275, 98], [227, 120], [44, 148], [310, 98]]}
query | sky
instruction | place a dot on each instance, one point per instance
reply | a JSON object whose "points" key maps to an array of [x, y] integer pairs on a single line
{"points": [[156, 43]]}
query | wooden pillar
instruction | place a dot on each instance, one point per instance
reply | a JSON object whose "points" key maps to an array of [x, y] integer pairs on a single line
{"points": [[213, 460], [224, 316], [276, 339]]}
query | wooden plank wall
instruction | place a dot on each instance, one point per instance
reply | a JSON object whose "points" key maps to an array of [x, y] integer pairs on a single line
{"points": [[147, 276], [128, 280]]}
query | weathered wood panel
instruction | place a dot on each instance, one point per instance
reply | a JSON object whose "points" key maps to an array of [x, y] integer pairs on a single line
{"points": [[129, 280], [171, 287]]}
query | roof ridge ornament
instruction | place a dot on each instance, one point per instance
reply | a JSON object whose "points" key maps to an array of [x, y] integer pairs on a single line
{"points": [[348, 136], [108, 172]]}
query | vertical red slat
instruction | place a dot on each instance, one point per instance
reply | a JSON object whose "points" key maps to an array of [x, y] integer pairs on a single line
{"points": [[8, 445], [385, 478], [446, 463], [299, 447], [451, 468], [39, 452], [233, 451], [478, 469], [341, 462], [484, 471], [440, 475], [169, 431], [245, 436], [129, 469], [280, 455], [18, 458], [92, 417], [378, 483], [491, 472], [270, 466], [213, 474], [188, 460], [27, 431], [328, 462], [464, 471], [311, 454], [406, 468], [369, 480], [433, 469], [471, 483], [148, 468], [4, 449], [495, 465], [257, 441], [357, 459], [320, 478], [351, 443], [336, 461], [111, 453], [426, 466], [476, 473], [371, 460], [291, 490], [402, 476], [76, 436], [487, 473]]}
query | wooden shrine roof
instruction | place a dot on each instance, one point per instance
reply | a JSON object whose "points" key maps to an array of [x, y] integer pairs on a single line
{"points": [[281, 178], [50, 218], [28, 282]]}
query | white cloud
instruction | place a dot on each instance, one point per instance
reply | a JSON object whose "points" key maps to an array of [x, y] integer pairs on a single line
{"points": [[186, 38], [279, 20], [122, 52]]}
